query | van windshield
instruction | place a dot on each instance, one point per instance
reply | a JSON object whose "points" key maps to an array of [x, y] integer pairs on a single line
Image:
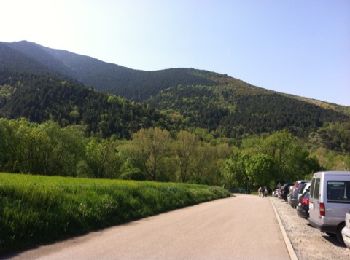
{"points": [[338, 191]]}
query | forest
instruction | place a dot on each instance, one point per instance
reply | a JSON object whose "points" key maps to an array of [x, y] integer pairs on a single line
{"points": [[159, 155]]}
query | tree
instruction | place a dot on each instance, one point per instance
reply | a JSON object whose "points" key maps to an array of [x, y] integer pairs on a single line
{"points": [[233, 171], [153, 144], [186, 147], [103, 158], [260, 169]]}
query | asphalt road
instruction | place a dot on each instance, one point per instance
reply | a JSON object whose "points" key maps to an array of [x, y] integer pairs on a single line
{"points": [[242, 227]]}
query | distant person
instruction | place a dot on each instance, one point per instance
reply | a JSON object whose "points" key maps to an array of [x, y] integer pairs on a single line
{"points": [[260, 191]]}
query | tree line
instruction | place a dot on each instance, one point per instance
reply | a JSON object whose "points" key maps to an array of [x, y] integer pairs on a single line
{"points": [[151, 154], [154, 154]]}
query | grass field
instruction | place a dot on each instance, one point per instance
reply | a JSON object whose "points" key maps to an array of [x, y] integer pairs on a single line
{"points": [[41, 209]]}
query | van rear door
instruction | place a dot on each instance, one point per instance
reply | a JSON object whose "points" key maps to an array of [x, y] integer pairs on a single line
{"points": [[338, 200], [314, 204]]}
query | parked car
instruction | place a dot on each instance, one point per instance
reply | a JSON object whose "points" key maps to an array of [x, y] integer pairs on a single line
{"points": [[285, 191], [329, 201], [295, 193], [346, 231], [280, 192], [303, 205], [305, 188]]}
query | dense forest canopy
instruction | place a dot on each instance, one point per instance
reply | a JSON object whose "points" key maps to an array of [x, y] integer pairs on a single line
{"points": [[40, 98], [235, 110]]}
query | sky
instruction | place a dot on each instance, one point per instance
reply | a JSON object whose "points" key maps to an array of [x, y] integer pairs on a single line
{"points": [[299, 47]]}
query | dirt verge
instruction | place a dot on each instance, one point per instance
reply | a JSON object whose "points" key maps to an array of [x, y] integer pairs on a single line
{"points": [[308, 242]]}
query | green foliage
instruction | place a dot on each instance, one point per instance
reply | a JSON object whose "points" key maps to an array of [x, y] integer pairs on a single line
{"points": [[103, 158], [37, 209], [237, 109], [333, 136], [152, 144], [260, 169], [332, 160], [266, 160], [42, 98], [44, 149], [186, 147], [152, 154]]}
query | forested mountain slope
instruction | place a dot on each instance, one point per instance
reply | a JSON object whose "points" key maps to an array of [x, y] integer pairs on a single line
{"points": [[193, 98], [40, 98], [237, 109], [133, 84]]}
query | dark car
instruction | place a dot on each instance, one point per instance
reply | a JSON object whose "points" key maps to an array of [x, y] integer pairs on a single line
{"points": [[303, 205], [294, 194], [285, 191]]}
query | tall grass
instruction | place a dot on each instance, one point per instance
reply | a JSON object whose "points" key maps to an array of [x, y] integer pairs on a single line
{"points": [[40, 209]]}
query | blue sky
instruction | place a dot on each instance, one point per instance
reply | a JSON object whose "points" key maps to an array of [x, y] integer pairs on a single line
{"points": [[292, 46]]}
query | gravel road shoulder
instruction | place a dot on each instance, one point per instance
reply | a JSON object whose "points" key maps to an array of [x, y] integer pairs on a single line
{"points": [[308, 242]]}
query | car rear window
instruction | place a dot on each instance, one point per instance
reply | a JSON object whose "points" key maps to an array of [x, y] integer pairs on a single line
{"points": [[338, 191]]}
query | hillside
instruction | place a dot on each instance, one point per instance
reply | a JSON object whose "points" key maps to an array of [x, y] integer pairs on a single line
{"points": [[40, 98], [107, 77], [193, 98], [237, 109], [12, 60]]}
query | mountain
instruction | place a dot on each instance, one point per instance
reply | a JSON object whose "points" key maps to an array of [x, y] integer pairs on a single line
{"points": [[40, 98], [237, 109], [106, 77], [193, 98], [12, 60]]}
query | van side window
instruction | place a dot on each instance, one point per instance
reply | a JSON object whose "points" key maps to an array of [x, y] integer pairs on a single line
{"points": [[317, 189], [338, 191]]}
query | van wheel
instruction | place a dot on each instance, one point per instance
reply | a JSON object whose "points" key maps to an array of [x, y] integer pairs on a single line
{"points": [[339, 235]]}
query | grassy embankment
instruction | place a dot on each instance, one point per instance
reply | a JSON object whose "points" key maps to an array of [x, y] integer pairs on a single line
{"points": [[40, 209]]}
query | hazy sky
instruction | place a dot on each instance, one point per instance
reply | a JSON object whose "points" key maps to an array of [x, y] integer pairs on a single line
{"points": [[293, 46]]}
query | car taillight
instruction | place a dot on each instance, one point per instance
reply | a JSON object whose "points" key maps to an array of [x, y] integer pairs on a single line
{"points": [[322, 209], [305, 201]]}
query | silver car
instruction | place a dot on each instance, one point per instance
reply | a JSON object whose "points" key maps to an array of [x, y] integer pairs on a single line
{"points": [[329, 201]]}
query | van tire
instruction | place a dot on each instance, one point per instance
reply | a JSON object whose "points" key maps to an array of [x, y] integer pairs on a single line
{"points": [[339, 235]]}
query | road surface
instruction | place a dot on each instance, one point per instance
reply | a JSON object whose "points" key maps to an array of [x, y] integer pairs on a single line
{"points": [[242, 227]]}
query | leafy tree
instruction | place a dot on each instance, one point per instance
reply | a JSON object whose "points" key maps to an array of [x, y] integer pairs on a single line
{"points": [[260, 169], [152, 143], [186, 147], [234, 173], [103, 158]]}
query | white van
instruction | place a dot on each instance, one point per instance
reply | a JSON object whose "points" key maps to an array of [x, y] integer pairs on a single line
{"points": [[329, 201]]}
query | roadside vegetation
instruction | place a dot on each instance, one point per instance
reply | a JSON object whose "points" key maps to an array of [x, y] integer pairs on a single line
{"points": [[155, 154], [41, 209]]}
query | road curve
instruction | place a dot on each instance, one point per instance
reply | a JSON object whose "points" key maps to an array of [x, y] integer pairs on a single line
{"points": [[242, 227]]}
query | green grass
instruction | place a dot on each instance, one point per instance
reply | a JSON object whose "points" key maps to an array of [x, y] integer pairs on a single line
{"points": [[41, 209]]}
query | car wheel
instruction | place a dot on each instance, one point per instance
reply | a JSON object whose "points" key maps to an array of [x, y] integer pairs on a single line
{"points": [[339, 235]]}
